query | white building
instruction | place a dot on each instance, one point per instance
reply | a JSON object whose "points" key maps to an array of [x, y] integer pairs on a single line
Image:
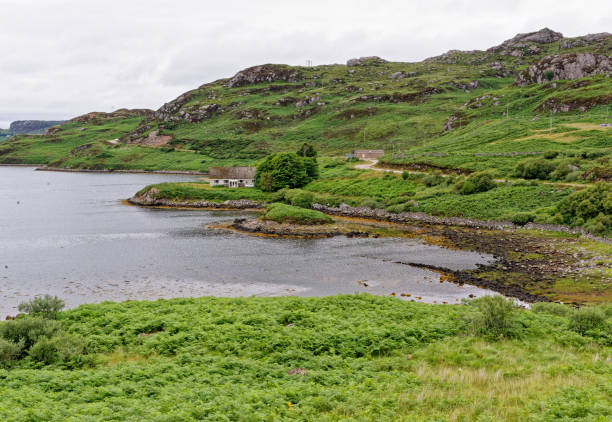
{"points": [[232, 177]]}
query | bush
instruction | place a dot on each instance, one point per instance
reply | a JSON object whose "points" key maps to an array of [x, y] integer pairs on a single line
{"points": [[10, 351], [495, 317], [433, 179], [283, 213], [28, 331], [475, 183], [552, 309], [299, 198], [534, 168], [46, 306], [521, 218], [369, 203], [64, 349], [592, 207], [588, 319]]}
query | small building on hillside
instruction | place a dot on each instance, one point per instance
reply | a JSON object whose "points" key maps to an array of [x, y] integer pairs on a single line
{"points": [[368, 154], [232, 177]]}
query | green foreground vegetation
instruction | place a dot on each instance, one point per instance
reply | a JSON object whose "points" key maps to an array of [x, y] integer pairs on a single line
{"points": [[356, 357]]}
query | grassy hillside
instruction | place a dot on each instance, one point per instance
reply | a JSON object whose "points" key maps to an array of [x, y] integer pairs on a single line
{"points": [[337, 358], [506, 111]]}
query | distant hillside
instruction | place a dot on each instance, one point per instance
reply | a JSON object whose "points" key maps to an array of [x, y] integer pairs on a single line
{"points": [[20, 127], [414, 108], [4, 133]]}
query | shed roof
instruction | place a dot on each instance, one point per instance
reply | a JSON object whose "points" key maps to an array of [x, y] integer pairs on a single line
{"points": [[231, 172]]}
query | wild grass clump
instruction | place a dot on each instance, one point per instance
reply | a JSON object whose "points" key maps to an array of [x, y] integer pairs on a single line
{"points": [[282, 213], [495, 318]]}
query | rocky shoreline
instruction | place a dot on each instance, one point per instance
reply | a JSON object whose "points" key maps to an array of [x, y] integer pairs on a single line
{"points": [[272, 228], [420, 217], [149, 200]]}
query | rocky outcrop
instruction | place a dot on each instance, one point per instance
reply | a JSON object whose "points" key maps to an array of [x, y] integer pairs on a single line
{"points": [[565, 66], [166, 113], [402, 75], [153, 139], [369, 60], [21, 127], [151, 198], [265, 73], [399, 97], [585, 40], [526, 44], [123, 113]]}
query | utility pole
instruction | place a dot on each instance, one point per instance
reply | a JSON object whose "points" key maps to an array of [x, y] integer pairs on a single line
{"points": [[550, 129]]}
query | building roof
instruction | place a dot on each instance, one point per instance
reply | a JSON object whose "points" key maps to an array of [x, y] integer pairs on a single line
{"points": [[231, 172], [369, 151]]}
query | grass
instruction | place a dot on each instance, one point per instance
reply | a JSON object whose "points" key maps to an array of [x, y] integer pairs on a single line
{"points": [[355, 357], [282, 213]]}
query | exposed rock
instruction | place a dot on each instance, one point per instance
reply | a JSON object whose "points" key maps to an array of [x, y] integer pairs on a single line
{"points": [[523, 44], [402, 75], [21, 127], [465, 87], [154, 139], [369, 60], [53, 130], [167, 112], [399, 97], [122, 113], [587, 39], [565, 66], [307, 101], [543, 36], [456, 56], [150, 198], [265, 73]]}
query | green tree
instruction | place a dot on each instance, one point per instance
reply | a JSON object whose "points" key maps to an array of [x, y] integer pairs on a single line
{"points": [[286, 170], [307, 150]]}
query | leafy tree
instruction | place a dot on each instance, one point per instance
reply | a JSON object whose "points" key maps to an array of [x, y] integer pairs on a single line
{"points": [[281, 170], [46, 306]]}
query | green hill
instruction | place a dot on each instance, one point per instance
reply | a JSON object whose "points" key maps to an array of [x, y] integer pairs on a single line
{"points": [[453, 103], [534, 107]]}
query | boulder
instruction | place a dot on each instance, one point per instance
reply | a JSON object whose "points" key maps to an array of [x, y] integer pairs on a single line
{"points": [[565, 66], [265, 73], [365, 61]]}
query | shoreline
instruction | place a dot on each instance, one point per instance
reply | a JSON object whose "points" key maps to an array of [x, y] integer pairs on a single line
{"points": [[127, 171], [521, 258]]}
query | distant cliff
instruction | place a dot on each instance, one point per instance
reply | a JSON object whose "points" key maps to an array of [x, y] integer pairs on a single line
{"points": [[29, 126]]}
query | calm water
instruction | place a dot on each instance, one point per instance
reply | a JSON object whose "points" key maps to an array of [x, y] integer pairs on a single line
{"points": [[70, 235]]}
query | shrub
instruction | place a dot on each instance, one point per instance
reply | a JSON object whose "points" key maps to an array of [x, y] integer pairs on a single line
{"points": [[521, 218], [552, 309], [299, 198], [60, 349], [46, 306], [433, 179], [405, 175], [587, 319], [592, 206], [283, 213], [477, 182], [534, 168], [10, 351], [495, 317], [28, 330]]}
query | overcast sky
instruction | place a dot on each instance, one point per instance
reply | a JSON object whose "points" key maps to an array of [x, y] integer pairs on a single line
{"points": [[60, 59]]}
